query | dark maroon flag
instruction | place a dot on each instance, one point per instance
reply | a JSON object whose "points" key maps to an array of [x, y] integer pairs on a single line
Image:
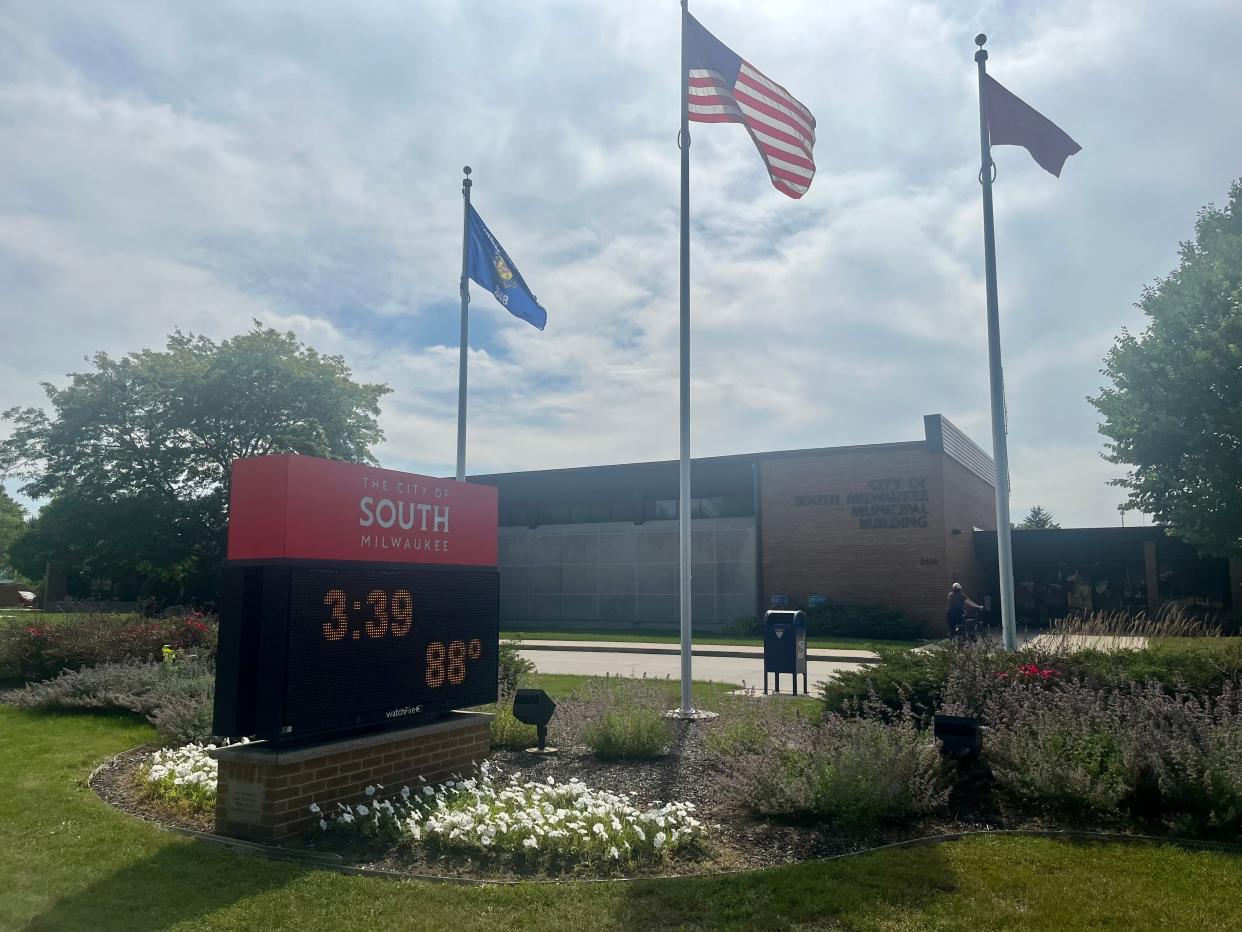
{"points": [[1014, 122]]}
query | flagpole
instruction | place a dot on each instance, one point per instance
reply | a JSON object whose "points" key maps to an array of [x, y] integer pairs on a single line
{"points": [[1000, 451], [686, 710], [464, 342]]}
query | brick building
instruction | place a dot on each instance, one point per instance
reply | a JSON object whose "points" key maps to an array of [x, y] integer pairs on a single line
{"points": [[888, 523]]}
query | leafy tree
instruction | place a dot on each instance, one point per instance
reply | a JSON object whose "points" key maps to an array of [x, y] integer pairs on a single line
{"points": [[1038, 519], [136, 454], [1174, 411], [12, 524]]}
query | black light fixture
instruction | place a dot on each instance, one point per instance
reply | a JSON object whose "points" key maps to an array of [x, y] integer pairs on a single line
{"points": [[535, 707], [959, 736]]}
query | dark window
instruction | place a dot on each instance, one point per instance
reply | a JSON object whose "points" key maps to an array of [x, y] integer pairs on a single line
{"points": [[707, 507], [738, 506], [522, 515], [663, 509], [554, 514], [621, 511]]}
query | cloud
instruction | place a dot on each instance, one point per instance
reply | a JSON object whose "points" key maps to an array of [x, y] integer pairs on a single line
{"points": [[199, 166]]}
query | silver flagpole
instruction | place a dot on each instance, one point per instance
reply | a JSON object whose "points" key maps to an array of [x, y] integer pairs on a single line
{"points": [[686, 710], [1000, 449], [465, 327]]}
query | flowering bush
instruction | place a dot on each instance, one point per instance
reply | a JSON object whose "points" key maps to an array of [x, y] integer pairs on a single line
{"points": [[175, 697], [538, 824], [852, 771], [1029, 671], [617, 717], [47, 647], [185, 775], [1136, 751]]}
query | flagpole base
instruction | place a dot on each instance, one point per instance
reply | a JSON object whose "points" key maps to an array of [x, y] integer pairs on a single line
{"points": [[691, 715]]}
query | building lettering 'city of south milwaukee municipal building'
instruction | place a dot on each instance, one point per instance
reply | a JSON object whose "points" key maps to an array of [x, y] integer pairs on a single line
{"points": [[885, 523]]}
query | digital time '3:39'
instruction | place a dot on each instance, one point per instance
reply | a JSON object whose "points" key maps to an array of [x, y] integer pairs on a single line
{"points": [[394, 616]]}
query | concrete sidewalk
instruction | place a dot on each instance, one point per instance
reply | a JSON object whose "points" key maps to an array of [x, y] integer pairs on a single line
{"points": [[743, 669], [740, 651]]}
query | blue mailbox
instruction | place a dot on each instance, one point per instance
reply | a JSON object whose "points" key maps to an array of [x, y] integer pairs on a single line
{"points": [[784, 647]]}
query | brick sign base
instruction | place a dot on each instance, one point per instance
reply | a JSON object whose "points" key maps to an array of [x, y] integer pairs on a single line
{"points": [[263, 792]]}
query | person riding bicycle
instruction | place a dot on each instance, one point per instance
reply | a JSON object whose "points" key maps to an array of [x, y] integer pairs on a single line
{"points": [[955, 613]]}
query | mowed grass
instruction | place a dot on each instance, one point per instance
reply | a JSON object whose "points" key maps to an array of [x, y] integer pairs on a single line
{"points": [[68, 861], [663, 637]]}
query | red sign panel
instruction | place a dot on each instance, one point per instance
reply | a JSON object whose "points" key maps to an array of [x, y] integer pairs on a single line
{"points": [[300, 507]]}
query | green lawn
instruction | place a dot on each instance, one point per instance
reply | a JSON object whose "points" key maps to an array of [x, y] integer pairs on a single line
{"points": [[656, 637], [67, 861]]}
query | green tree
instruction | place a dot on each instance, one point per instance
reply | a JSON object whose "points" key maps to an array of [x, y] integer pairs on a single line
{"points": [[1174, 410], [12, 524], [1038, 519], [136, 454]]}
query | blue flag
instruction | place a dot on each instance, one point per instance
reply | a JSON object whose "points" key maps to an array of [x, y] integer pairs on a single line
{"points": [[489, 265]]}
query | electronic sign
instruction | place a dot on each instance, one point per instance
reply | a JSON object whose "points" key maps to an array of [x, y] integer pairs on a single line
{"points": [[314, 639]]}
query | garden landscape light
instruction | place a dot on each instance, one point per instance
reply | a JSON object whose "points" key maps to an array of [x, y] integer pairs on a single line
{"points": [[535, 707]]}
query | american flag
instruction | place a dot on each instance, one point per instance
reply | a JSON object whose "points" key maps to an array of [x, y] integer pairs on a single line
{"points": [[725, 89]]}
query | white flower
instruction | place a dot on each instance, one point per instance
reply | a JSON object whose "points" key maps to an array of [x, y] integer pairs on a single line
{"points": [[323, 825], [530, 842], [362, 810], [370, 791], [614, 853], [659, 840], [314, 807], [428, 791]]}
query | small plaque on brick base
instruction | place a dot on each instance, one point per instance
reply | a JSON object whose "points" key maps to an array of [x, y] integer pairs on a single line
{"points": [[245, 802], [263, 792]]}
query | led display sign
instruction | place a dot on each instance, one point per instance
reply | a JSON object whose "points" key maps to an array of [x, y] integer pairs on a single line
{"points": [[319, 634]]}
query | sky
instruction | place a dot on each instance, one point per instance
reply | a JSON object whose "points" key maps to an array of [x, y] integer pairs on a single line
{"points": [[201, 166]]}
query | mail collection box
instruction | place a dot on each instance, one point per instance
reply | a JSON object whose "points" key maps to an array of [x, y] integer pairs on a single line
{"points": [[784, 647]]}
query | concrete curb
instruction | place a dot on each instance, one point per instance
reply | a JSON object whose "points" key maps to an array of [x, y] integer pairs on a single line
{"points": [[717, 650]]}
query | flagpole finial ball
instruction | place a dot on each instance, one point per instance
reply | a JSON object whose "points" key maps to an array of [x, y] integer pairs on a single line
{"points": [[980, 39], [466, 169]]}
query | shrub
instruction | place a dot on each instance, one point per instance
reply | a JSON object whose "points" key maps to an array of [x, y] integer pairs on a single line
{"points": [[175, 697], [1137, 751], [617, 718], [843, 619], [854, 772], [748, 626], [629, 733], [904, 678], [513, 667], [1065, 750], [960, 677], [737, 736], [1192, 745], [1204, 665], [507, 731], [45, 645]]}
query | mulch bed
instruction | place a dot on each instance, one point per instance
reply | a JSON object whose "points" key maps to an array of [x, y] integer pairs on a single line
{"points": [[118, 782], [688, 773]]}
